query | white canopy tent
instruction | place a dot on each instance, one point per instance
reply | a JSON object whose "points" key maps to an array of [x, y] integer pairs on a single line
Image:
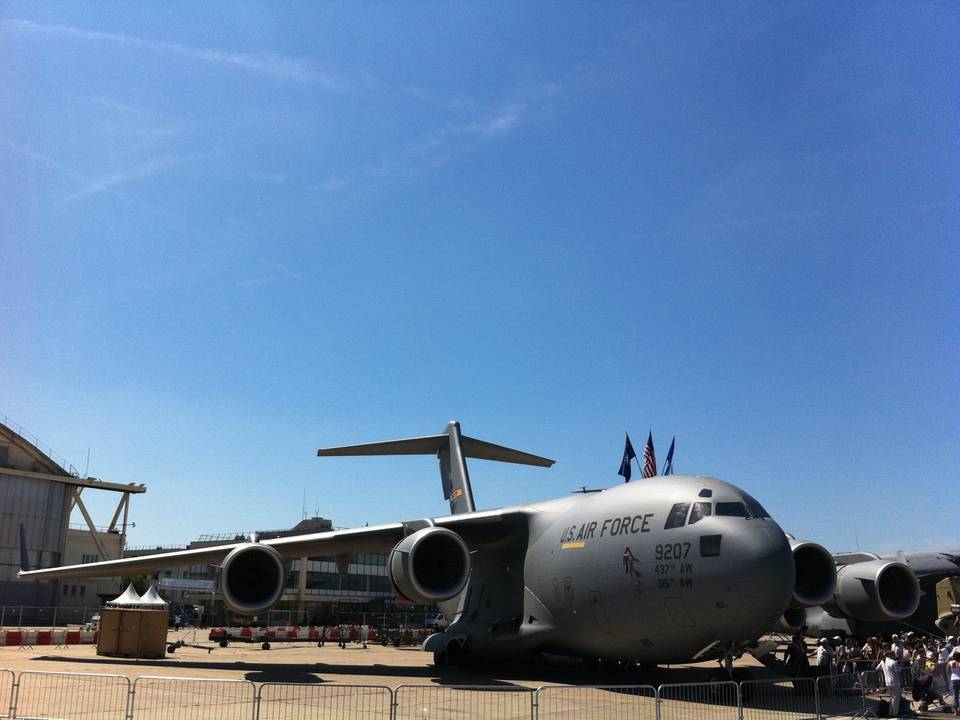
{"points": [[151, 599], [128, 599]]}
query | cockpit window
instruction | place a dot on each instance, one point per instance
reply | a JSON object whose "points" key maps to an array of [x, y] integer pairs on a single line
{"points": [[731, 509], [677, 516], [754, 508], [700, 511]]}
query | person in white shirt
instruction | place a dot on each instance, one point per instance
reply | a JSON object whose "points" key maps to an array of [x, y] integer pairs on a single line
{"points": [[953, 665], [891, 675], [947, 650], [824, 657], [896, 646]]}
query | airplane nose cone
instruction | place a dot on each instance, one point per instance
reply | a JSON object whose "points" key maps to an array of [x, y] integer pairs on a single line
{"points": [[763, 571]]}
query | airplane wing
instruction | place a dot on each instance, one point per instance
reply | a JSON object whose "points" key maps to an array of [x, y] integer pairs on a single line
{"points": [[475, 528], [923, 563]]}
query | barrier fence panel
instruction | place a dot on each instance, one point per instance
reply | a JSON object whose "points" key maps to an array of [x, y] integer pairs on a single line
{"points": [[793, 699], [415, 702], [699, 701], [6, 693], [840, 696], [72, 696], [597, 702], [165, 698], [296, 701]]}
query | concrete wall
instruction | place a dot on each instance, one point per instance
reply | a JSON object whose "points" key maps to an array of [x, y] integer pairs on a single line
{"points": [[80, 548]]}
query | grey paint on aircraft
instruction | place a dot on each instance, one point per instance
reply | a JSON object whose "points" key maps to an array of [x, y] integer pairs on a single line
{"points": [[665, 569]]}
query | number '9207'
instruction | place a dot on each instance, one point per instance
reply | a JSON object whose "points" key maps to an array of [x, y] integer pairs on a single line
{"points": [[674, 551]]}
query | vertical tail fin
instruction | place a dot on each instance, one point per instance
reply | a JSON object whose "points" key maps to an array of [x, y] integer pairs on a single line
{"points": [[452, 450], [24, 558], [453, 472]]}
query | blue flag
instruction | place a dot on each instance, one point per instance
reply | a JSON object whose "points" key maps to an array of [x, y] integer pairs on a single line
{"points": [[668, 466], [628, 455]]}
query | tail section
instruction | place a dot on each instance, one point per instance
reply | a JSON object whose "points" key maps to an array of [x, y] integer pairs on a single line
{"points": [[452, 449]]}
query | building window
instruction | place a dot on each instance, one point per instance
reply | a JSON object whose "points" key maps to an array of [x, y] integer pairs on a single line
{"points": [[83, 589], [89, 558], [66, 589], [73, 589]]}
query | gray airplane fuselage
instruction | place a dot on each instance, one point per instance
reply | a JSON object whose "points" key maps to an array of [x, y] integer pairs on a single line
{"points": [[662, 569]]}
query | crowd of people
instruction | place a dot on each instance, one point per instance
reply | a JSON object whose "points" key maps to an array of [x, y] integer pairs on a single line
{"points": [[933, 663]]}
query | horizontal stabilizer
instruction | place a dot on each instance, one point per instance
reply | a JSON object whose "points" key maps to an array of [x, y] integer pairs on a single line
{"points": [[452, 450], [432, 444]]}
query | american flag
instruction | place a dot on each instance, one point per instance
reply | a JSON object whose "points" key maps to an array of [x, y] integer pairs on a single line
{"points": [[649, 458]]}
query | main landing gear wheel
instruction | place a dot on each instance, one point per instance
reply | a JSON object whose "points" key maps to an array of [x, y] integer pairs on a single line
{"points": [[266, 645]]}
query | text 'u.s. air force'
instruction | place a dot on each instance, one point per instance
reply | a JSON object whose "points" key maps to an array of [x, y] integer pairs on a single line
{"points": [[626, 525]]}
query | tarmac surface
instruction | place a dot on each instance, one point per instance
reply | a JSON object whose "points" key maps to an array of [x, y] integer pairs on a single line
{"points": [[319, 673]]}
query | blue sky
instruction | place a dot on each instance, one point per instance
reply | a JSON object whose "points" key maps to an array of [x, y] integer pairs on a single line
{"points": [[233, 234]]}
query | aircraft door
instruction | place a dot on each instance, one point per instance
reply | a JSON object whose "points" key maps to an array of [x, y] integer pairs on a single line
{"points": [[599, 612]]}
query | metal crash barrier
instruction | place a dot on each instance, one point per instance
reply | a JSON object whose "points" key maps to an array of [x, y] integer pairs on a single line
{"points": [[71, 696], [7, 679], [792, 699], [509, 702], [840, 696], [599, 702], [75, 696], [296, 701], [163, 698], [701, 701]]}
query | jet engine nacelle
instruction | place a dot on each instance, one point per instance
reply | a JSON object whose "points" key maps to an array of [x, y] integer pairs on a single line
{"points": [[792, 620], [430, 566], [252, 577], [816, 574], [875, 590]]}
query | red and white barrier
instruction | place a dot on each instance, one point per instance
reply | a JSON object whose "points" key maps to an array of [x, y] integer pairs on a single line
{"points": [[362, 633], [27, 637]]}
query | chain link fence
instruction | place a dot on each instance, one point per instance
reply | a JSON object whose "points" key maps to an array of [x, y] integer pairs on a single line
{"points": [[18, 616]]}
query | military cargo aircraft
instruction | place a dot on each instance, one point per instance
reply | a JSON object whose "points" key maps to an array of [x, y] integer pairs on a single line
{"points": [[665, 570]]}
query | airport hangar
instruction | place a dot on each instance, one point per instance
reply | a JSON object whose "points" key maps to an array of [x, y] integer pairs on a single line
{"points": [[40, 490]]}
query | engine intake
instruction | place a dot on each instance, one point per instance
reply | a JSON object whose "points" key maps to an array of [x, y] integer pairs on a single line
{"points": [[876, 590], [816, 574], [430, 566], [252, 578], [792, 620]]}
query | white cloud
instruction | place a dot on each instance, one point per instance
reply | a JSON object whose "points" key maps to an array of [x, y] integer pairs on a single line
{"points": [[139, 172], [269, 64]]}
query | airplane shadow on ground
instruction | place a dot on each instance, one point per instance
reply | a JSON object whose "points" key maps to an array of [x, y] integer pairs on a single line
{"points": [[297, 672], [506, 675]]}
